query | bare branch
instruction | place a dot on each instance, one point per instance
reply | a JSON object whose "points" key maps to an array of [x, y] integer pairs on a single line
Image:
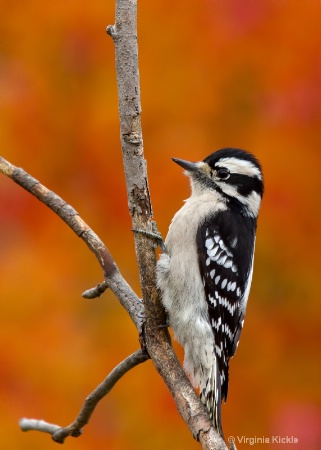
{"points": [[124, 35], [113, 277], [59, 434], [38, 425]]}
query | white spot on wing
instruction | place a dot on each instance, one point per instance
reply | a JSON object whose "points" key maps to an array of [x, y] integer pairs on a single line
{"points": [[216, 257], [224, 282], [209, 243], [226, 329], [222, 259], [212, 252], [216, 324]]}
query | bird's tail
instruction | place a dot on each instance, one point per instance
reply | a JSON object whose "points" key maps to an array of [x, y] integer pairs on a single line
{"points": [[210, 394]]}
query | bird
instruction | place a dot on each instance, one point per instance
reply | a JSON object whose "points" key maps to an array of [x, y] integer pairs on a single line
{"points": [[205, 273]]}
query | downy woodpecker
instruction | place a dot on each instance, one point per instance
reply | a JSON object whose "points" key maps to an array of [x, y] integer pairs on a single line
{"points": [[205, 274]]}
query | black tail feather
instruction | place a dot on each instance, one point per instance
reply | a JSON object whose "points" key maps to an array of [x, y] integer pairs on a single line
{"points": [[211, 397]]}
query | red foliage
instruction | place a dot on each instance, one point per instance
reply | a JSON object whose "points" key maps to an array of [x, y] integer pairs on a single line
{"points": [[213, 73]]}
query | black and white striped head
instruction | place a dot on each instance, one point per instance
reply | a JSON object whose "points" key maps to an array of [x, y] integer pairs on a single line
{"points": [[235, 174]]}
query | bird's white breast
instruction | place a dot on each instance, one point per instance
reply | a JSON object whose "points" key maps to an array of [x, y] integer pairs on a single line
{"points": [[180, 282]]}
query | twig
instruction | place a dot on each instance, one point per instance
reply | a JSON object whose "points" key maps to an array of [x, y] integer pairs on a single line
{"points": [[38, 425], [96, 291], [113, 277], [59, 434]]}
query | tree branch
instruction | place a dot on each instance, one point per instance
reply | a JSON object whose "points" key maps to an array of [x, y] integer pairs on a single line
{"points": [[59, 434], [124, 35], [113, 277]]}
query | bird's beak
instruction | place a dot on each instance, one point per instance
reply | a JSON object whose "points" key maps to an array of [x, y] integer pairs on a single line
{"points": [[187, 165], [191, 167]]}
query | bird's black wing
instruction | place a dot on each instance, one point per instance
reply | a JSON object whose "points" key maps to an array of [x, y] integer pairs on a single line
{"points": [[225, 244]]}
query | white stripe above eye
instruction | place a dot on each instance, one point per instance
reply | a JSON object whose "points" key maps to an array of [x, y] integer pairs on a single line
{"points": [[241, 166]]}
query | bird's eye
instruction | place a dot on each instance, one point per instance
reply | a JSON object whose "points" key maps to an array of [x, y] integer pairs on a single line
{"points": [[223, 174]]}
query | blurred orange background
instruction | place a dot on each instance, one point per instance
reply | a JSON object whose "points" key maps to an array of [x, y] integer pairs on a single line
{"points": [[214, 73]]}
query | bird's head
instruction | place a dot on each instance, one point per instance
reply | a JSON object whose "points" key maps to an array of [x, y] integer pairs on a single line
{"points": [[233, 173]]}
